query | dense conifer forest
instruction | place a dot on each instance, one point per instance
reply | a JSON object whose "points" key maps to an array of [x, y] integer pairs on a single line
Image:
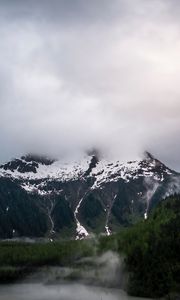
{"points": [[150, 250]]}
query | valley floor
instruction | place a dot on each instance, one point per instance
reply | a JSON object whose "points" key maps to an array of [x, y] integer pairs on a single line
{"points": [[144, 260]]}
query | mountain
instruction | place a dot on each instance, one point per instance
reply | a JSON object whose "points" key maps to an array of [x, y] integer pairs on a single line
{"points": [[44, 197]]}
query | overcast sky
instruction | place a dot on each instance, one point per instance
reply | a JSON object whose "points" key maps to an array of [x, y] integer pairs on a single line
{"points": [[77, 74]]}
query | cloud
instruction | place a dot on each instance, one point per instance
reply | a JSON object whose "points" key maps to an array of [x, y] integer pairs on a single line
{"points": [[79, 74]]}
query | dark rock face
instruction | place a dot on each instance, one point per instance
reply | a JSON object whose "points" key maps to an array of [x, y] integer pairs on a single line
{"points": [[92, 165], [21, 166], [41, 197], [38, 159], [27, 164]]}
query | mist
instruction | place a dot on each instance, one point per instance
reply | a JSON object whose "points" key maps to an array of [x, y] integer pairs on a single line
{"points": [[97, 277], [79, 75], [63, 292], [106, 270], [151, 187]]}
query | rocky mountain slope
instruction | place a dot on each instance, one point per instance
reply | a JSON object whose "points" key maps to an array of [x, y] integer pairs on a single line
{"points": [[42, 197]]}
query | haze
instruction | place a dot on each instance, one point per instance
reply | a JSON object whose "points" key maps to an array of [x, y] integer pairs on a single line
{"points": [[79, 74]]}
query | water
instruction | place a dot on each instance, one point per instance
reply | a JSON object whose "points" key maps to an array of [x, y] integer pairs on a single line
{"points": [[33, 291]]}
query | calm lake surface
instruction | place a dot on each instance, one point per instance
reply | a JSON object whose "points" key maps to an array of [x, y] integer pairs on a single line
{"points": [[33, 291]]}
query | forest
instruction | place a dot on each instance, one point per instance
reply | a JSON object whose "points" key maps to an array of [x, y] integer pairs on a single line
{"points": [[150, 251]]}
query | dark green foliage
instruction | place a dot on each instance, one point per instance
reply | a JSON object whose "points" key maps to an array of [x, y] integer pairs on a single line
{"points": [[18, 254], [91, 208], [62, 214], [152, 251], [108, 243], [18, 259], [19, 212], [128, 206]]}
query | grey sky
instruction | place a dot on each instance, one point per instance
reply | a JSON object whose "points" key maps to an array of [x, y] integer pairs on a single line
{"points": [[77, 74]]}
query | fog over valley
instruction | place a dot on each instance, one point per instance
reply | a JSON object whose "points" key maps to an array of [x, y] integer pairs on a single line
{"points": [[89, 149]]}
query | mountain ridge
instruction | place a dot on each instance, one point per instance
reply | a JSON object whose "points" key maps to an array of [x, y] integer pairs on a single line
{"points": [[90, 194]]}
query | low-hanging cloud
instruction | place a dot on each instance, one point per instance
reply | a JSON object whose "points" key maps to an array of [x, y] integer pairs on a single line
{"points": [[82, 74]]}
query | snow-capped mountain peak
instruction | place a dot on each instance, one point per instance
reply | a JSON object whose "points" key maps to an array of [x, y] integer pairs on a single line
{"points": [[39, 167], [83, 189]]}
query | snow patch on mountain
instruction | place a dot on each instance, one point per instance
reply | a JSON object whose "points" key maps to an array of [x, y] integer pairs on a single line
{"points": [[29, 170], [80, 230], [62, 170], [108, 171]]}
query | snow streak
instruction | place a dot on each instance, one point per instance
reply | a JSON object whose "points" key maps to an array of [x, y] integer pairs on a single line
{"points": [[81, 231]]}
